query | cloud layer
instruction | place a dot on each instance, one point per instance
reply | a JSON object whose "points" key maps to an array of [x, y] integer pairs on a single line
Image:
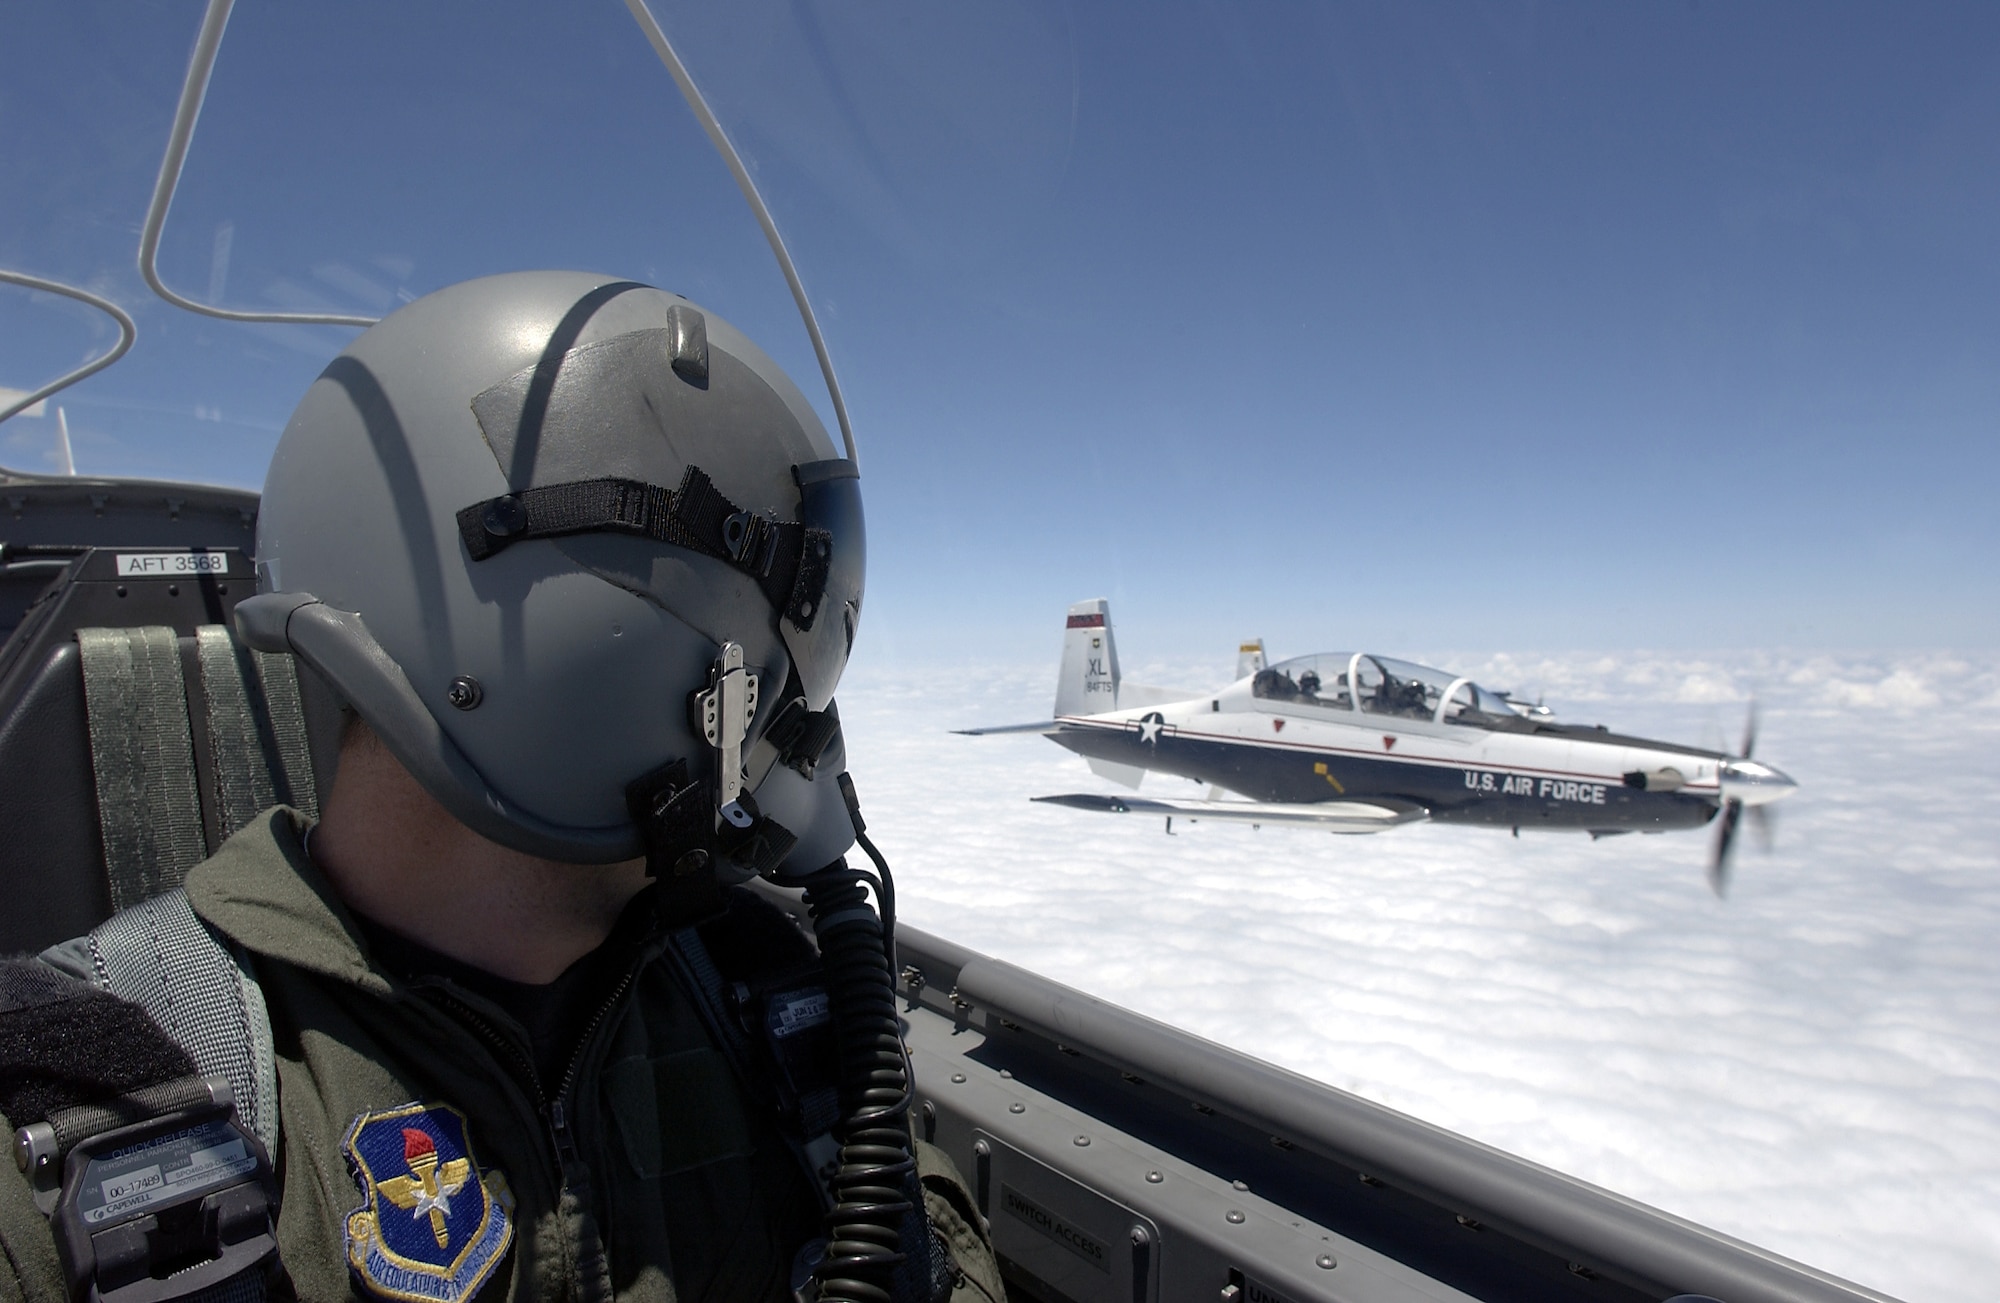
{"points": [[1812, 1065]]}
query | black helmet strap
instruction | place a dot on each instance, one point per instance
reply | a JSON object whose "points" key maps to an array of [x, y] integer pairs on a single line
{"points": [[788, 561]]}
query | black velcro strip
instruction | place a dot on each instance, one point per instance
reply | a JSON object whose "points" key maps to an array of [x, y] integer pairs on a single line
{"points": [[622, 506], [583, 507], [700, 511], [64, 1044]]}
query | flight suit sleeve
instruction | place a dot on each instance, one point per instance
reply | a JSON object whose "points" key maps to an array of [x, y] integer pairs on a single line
{"points": [[955, 1216]]}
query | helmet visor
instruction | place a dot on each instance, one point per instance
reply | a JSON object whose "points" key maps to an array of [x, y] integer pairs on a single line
{"points": [[818, 628]]}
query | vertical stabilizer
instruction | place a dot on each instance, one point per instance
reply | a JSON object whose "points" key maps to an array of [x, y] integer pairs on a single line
{"points": [[1249, 657], [1088, 683]]}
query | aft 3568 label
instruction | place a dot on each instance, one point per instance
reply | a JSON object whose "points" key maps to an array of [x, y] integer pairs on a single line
{"points": [[143, 565]]}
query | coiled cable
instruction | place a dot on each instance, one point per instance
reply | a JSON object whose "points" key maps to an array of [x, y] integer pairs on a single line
{"points": [[875, 1171]]}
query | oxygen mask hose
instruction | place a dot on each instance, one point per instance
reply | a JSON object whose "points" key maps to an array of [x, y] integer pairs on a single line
{"points": [[871, 1189]]}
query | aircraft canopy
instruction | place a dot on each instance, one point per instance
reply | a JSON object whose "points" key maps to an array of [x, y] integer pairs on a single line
{"points": [[1386, 687]]}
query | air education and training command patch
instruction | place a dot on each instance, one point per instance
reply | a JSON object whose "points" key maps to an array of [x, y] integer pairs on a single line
{"points": [[433, 1226]]}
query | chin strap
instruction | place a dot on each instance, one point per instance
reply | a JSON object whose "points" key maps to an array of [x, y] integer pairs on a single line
{"points": [[686, 849]]}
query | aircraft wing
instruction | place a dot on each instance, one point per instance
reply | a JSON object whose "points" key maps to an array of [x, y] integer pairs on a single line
{"points": [[1332, 816], [1042, 726]]}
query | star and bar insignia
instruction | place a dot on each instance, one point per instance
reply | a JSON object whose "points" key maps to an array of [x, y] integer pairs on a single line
{"points": [[432, 1227]]}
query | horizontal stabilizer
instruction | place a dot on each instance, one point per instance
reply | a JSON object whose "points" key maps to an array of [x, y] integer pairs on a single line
{"points": [[1040, 726], [1331, 816]]}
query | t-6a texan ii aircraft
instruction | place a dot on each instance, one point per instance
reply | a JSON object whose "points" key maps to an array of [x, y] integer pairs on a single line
{"points": [[1355, 742]]}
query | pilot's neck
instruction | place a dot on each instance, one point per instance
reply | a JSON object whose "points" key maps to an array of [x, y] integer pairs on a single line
{"points": [[394, 854]]}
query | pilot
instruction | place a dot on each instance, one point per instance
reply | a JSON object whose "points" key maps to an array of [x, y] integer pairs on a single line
{"points": [[1416, 700], [1406, 696], [584, 569], [1309, 685]]}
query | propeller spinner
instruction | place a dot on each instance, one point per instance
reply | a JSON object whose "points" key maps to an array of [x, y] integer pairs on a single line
{"points": [[1750, 785]]}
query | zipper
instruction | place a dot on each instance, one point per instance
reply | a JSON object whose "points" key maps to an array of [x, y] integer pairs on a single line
{"points": [[593, 1266], [589, 1264], [566, 1155], [524, 1068], [549, 1107]]}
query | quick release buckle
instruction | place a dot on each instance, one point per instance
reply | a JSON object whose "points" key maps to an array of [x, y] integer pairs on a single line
{"points": [[157, 1209]]}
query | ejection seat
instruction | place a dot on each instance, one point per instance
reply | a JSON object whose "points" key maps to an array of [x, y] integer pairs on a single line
{"points": [[136, 734]]}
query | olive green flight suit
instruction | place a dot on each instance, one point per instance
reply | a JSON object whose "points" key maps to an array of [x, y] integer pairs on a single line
{"points": [[647, 1176]]}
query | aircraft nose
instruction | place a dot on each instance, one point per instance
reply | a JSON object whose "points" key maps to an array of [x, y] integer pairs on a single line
{"points": [[1755, 783]]}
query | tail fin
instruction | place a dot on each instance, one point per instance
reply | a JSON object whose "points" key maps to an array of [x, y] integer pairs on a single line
{"points": [[1249, 657], [1088, 682]]}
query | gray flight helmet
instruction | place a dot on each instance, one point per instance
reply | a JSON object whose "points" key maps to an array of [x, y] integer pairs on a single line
{"points": [[517, 525]]}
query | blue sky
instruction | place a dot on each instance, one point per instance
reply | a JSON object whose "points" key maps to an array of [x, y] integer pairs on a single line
{"points": [[1417, 326]]}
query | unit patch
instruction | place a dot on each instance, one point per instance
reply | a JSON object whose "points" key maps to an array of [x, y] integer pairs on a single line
{"points": [[433, 1226]]}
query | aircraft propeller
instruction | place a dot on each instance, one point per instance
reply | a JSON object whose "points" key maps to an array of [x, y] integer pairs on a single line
{"points": [[1733, 807]]}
